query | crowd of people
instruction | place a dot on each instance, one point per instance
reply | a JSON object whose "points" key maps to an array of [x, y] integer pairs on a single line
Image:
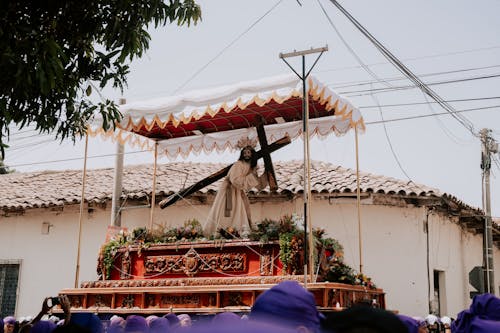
{"points": [[285, 308]]}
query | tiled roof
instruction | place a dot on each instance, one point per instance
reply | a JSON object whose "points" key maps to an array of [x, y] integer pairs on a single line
{"points": [[58, 188]]}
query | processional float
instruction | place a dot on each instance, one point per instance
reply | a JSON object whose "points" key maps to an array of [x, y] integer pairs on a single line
{"points": [[212, 276]]}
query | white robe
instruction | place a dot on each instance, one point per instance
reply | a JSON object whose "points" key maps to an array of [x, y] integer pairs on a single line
{"points": [[231, 207]]}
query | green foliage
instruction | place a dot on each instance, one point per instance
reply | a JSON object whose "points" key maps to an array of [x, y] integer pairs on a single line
{"points": [[108, 252], [54, 54], [332, 245], [269, 230], [228, 233], [340, 272], [4, 169], [286, 249]]}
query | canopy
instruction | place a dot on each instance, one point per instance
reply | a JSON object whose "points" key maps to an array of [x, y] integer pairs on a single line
{"points": [[214, 119]]}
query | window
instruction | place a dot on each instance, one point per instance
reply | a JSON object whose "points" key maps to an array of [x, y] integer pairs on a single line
{"points": [[9, 277], [439, 301]]}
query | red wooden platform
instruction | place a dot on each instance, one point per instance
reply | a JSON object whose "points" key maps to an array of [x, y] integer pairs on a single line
{"points": [[201, 277]]}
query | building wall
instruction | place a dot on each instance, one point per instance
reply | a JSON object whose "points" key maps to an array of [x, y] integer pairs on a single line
{"points": [[394, 247]]}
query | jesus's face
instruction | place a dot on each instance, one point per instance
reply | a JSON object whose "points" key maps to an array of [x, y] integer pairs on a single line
{"points": [[247, 154]]}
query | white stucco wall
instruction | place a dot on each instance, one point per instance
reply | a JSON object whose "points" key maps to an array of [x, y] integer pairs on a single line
{"points": [[394, 247]]}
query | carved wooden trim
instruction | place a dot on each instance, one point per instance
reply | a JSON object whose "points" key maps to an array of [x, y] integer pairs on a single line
{"points": [[193, 263]]}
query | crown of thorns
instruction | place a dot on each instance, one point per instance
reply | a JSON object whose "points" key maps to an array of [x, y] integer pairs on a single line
{"points": [[246, 142]]}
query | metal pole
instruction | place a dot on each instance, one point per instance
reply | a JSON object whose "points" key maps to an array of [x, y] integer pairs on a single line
{"points": [[310, 261], [308, 237], [116, 215], [488, 146], [82, 202], [305, 137], [153, 193], [358, 200]]}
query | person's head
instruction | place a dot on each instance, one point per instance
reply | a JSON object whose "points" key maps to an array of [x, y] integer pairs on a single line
{"points": [[487, 306], [248, 155], [411, 324], [226, 318], [184, 320], [150, 318], [288, 304], [433, 324], [87, 321], [136, 324], [172, 319], [9, 324], [116, 324], [363, 319], [159, 325]]}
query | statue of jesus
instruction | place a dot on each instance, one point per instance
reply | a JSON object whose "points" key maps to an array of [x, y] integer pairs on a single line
{"points": [[231, 207]]}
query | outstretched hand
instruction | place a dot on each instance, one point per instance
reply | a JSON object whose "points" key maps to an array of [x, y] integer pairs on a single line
{"points": [[45, 305], [65, 304]]}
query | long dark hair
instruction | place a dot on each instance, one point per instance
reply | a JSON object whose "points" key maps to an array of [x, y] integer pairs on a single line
{"points": [[253, 160]]}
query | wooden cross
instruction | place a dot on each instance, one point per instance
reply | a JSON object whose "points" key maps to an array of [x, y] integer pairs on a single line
{"points": [[266, 155], [223, 172]]}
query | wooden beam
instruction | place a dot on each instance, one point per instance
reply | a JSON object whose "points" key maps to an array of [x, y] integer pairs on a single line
{"points": [[268, 164]]}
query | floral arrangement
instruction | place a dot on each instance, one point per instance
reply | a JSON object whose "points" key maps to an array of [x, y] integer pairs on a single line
{"points": [[333, 268], [190, 231], [228, 233], [328, 252]]}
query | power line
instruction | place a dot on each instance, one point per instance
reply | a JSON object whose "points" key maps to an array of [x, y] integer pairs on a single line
{"points": [[362, 83], [366, 123], [226, 47], [74, 159], [430, 102], [386, 83], [407, 72], [353, 53], [415, 58], [431, 115], [378, 80], [31, 144], [382, 90], [22, 132], [389, 140]]}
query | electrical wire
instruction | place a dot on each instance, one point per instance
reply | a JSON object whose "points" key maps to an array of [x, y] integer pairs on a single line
{"points": [[415, 58], [396, 158], [445, 129], [366, 123], [353, 53], [185, 83], [379, 80], [348, 84], [76, 159], [429, 102], [378, 90], [431, 115], [405, 71], [30, 145]]}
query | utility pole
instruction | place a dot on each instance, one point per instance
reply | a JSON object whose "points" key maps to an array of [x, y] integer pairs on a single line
{"points": [[308, 241], [489, 146], [116, 215]]}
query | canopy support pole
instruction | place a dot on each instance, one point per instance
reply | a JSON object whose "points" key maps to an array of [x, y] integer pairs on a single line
{"points": [[153, 193], [358, 202], [308, 237], [82, 203]]}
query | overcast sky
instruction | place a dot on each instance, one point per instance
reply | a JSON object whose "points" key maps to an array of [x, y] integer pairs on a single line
{"points": [[440, 41]]}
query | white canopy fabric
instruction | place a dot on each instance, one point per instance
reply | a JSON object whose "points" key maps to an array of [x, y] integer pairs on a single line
{"points": [[187, 108]]}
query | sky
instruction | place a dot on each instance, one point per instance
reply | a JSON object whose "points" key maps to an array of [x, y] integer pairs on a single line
{"points": [[440, 41]]}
